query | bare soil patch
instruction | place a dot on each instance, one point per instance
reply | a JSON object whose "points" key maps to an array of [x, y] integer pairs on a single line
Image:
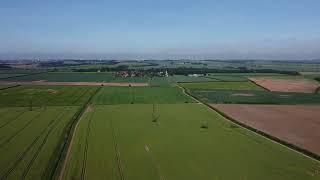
{"points": [[296, 124], [72, 83], [284, 85]]}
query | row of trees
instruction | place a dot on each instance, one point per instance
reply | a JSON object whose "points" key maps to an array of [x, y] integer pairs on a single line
{"points": [[185, 71]]}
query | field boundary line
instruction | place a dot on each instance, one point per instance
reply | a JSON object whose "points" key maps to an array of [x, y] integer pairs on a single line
{"points": [[292, 147], [9, 87], [187, 94], [68, 151], [78, 98], [250, 80], [64, 156]]}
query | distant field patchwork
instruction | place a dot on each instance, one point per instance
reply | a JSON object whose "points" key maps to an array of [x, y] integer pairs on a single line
{"points": [[78, 77], [126, 142]]}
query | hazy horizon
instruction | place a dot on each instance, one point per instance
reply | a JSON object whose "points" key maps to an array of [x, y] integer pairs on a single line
{"points": [[207, 29]]}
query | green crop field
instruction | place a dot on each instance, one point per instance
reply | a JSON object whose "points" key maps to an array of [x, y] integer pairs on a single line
{"points": [[228, 78], [124, 142], [4, 76], [130, 79], [140, 95], [222, 85], [2, 87], [254, 97], [182, 78], [30, 141], [45, 95], [67, 77], [160, 81]]}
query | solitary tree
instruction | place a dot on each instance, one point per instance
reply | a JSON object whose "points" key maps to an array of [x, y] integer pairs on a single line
{"points": [[204, 125]]}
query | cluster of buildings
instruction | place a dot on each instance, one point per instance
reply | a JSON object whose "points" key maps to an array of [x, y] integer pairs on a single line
{"points": [[129, 74]]}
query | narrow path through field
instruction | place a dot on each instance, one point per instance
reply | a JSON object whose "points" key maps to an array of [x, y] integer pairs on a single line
{"points": [[185, 93], [87, 107], [68, 152]]}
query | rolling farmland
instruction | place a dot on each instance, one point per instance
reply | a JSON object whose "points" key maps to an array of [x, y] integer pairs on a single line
{"points": [[123, 142], [85, 128]]}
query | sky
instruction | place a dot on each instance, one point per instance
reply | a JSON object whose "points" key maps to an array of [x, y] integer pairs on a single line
{"points": [[160, 29]]}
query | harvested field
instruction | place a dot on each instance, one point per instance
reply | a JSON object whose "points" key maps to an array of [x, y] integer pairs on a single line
{"points": [[287, 85], [46, 83], [296, 124]]}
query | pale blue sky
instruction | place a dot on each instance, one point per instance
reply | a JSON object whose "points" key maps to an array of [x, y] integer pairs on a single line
{"points": [[264, 29]]}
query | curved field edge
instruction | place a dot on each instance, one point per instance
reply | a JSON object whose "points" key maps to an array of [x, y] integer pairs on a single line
{"points": [[287, 144]]}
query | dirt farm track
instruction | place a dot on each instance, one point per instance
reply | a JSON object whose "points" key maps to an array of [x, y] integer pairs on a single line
{"points": [[296, 124], [46, 83]]}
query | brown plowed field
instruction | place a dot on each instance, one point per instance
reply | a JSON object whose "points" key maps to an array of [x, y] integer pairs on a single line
{"points": [[284, 85], [296, 124], [70, 83]]}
